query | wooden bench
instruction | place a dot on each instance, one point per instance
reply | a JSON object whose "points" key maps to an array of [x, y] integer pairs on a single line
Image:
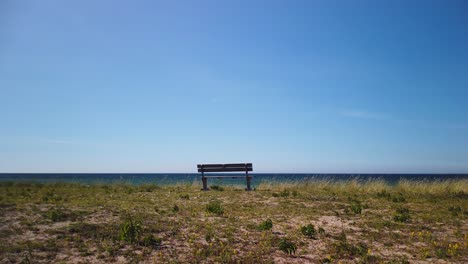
{"points": [[207, 168]]}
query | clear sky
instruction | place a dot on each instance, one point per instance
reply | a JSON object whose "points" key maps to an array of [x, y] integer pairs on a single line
{"points": [[292, 86]]}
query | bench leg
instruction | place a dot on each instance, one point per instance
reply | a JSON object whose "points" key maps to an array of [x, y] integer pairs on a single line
{"points": [[205, 184], [248, 184]]}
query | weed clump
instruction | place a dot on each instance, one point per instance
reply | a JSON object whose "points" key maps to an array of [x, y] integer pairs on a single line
{"points": [[283, 193], [287, 246], [345, 248], [457, 211], [266, 225], [399, 199], [402, 214], [355, 207], [184, 196], [60, 215], [309, 231], [151, 241], [215, 207], [130, 229], [216, 188], [56, 215]]}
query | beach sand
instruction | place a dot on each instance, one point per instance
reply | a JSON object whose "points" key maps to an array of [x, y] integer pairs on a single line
{"points": [[350, 222]]}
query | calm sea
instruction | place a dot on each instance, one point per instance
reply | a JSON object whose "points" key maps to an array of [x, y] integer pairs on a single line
{"points": [[171, 178]]}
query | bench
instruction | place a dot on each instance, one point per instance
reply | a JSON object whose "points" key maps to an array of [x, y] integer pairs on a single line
{"points": [[208, 168]]}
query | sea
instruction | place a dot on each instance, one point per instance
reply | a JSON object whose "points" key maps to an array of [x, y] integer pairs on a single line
{"points": [[189, 178]]}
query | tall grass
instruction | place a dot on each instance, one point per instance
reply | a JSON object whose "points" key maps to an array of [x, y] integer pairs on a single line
{"points": [[309, 186], [371, 186]]}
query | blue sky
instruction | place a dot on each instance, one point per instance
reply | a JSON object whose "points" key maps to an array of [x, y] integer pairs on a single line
{"points": [[292, 86]]}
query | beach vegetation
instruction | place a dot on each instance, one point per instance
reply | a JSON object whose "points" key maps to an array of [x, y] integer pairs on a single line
{"points": [[402, 214], [217, 188], [181, 224], [309, 231], [130, 229], [184, 196], [215, 207], [287, 246], [266, 225]]}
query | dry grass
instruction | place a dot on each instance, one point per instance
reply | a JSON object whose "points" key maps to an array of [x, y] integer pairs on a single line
{"points": [[352, 221]]}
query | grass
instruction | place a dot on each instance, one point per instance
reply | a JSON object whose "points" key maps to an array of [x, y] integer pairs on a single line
{"points": [[312, 221], [309, 231], [266, 225]]}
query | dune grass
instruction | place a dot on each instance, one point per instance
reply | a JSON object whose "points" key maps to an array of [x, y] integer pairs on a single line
{"points": [[316, 221]]}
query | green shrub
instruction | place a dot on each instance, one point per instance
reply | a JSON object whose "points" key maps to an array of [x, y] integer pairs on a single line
{"points": [[216, 188], [210, 235], [283, 193], [309, 231], [399, 199], [266, 225], [184, 196], [215, 207], [344, 248], [151, 241], [402, 214], [130, 229], [455, 210], [356, 208], [384, 194], [321, 231], [287, 246], [56, 215]]}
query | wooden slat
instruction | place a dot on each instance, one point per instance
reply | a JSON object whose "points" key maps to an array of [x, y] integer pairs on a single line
{"points": [[224, 169], [230, 165], [232, 177]]}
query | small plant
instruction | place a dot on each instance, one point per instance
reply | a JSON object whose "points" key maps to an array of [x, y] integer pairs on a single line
{"points": [[217, 188], [321, 231], [148, 187], [328, 259], [210, 235], [309, 231], [384, 194], [56, 215], [283, 193], [295, 193], [356, 208], [184, 196], [215, 207], [130, 229], [399, 199], [266, 225], [175, 208], [402, 214], [455, 210], [344, 248], [151, 241], [287, 246]]}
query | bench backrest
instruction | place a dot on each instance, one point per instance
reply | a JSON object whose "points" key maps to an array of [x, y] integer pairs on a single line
{"points": [[224, 167]]}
